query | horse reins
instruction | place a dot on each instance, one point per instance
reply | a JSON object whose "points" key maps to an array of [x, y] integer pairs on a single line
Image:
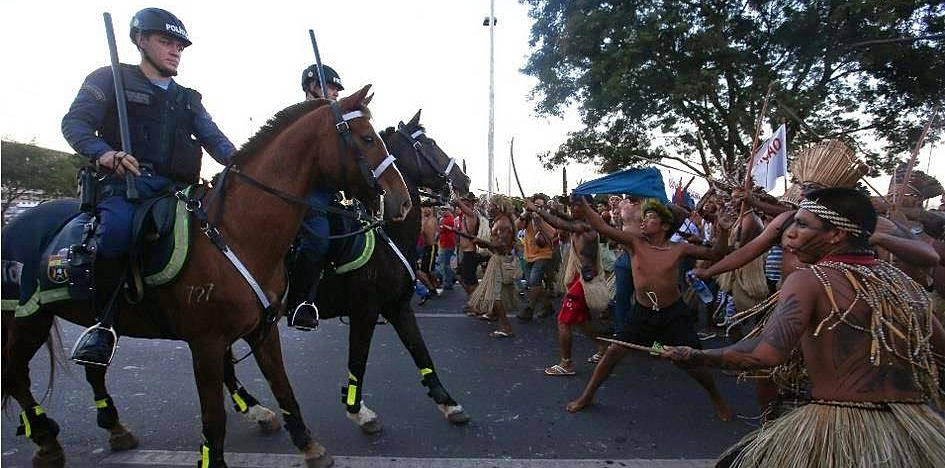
{"points": [[195, 206]]}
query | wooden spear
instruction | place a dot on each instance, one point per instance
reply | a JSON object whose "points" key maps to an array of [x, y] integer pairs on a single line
{"points": [[901, 187], [754, 149]]}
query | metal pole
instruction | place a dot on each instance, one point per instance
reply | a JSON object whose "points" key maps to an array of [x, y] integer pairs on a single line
{"points": [[131, 190], [318, 64], [491, 94]]}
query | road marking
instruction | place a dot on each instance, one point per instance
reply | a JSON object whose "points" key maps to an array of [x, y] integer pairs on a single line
{"points": [[274, 460], [431, 315]]}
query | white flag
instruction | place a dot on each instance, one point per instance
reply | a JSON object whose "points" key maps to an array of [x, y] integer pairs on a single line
{"points": [[770, 161]]}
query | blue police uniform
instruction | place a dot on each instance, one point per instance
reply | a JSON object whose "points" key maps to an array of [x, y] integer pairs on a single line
{"points": [[168, 127]]}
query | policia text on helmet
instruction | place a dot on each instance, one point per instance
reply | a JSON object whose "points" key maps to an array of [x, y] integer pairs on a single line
{"points": [[160, 37], [310, 83]]}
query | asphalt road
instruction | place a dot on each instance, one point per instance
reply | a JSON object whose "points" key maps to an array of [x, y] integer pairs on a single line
{"points": [[648, 414]]}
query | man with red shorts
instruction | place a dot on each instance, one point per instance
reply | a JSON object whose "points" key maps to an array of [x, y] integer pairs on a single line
{"points": [[584, 263]]}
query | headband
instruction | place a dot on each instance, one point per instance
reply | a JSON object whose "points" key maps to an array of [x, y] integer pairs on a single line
{"points": [[838, 220]]}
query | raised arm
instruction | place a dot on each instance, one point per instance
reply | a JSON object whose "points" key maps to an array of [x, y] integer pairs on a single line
{"points": [[581, 210], [769, 237], [556, 221], [782, 333], [903, 244]]}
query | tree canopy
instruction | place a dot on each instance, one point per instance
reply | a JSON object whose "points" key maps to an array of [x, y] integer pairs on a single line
{"points": [[686, 79], [28, 167]]}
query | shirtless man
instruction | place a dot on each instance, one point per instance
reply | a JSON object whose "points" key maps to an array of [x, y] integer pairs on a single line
{"points": [[585, 243], [869, 392], [659, 313], [428, 228], [468, 221]]}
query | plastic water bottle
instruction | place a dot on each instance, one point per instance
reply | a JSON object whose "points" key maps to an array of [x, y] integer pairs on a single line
{"points": [[421, 289], [700, 288]]}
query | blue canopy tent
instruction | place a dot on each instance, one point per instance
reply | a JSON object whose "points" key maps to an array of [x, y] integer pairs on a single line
{"points": [[646, 182]]}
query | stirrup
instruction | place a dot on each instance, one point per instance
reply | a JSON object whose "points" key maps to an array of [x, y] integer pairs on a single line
{"points": [[81, 338], [295, 314]]}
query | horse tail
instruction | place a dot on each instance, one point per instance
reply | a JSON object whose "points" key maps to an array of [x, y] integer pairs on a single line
{"points": [[56, 358], [7, 329], [53, 346]]}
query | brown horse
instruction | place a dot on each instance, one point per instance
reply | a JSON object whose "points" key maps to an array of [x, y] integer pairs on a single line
{"points": [[300, 149]]}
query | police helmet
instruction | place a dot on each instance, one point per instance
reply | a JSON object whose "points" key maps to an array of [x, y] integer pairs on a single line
{"points": [[310, 75], [158, 20]]}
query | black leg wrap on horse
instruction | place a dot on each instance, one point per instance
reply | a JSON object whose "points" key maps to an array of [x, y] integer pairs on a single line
{"points": [[106, 413], [436, 390], [297, 430], [242, 400], [351, 395], [36, 426]]}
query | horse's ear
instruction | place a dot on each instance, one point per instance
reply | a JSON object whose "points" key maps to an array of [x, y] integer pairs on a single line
{"points": [[358, 97], [367, 100], [415, 120]]}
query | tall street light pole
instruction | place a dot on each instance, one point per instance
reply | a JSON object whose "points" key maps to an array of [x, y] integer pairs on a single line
{"points": [[490, 21]]}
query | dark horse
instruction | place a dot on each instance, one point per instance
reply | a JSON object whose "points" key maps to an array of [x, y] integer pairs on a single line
{"points": [[384, 285], [298, 150]]}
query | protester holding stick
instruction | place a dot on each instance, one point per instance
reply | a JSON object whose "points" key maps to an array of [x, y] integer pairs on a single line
{"points": [[869, 346], [659, 313]]}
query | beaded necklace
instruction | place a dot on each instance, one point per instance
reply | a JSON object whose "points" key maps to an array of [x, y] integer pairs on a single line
{"points": [[899, 308]]}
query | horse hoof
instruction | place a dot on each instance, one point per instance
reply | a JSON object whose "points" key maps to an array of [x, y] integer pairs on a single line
{"points": [[122, 440], [50, 456], [372, 427], [265, 417], [455, 414], [366, 419], [317, 457]]}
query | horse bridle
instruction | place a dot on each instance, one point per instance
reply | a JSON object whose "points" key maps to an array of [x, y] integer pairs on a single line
{"points": [[344, 131], [442, 173]]}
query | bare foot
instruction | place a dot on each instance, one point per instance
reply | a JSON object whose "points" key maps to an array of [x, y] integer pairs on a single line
{"points": [[577, 405], [723, 412]]}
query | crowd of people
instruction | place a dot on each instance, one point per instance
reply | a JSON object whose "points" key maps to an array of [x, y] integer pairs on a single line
{"points": [[831, 299]]}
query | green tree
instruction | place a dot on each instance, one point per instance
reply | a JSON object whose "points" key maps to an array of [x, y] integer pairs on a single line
{"points": [[649, 75], [27, 167]]}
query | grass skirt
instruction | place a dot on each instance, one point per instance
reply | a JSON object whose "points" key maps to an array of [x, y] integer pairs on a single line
{"points": [[842, 435], [491, 288]]}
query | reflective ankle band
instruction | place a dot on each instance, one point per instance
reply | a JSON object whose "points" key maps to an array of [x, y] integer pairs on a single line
{"points": [[241, 405], [204, 456], [425, 371], [103, 403]]}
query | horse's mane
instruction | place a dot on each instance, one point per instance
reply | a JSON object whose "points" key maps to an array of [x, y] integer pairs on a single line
{"points": [[277, 124]]}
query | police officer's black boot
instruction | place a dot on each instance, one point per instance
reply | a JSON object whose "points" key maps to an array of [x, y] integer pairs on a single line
{"points": [[96, 346], [303, 285]]}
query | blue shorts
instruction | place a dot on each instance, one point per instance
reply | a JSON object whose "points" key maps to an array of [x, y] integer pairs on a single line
{"points": [[536, 271]]}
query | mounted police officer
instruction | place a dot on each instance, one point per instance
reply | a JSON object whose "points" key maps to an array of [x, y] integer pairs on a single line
{"points": [[313, 244], [168, 126]]}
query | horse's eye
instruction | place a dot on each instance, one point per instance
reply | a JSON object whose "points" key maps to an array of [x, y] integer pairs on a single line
{"points": [[368, 139]]}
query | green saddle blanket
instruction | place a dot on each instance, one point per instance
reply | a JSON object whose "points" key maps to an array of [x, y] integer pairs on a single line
{"points": [[160, 259]]}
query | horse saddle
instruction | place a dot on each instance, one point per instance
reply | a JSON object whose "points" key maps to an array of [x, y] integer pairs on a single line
{"points": [[160, 233]]}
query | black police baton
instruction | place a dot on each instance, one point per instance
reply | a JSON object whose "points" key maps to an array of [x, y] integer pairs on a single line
{"points": [[132, 190], [318, 65]]}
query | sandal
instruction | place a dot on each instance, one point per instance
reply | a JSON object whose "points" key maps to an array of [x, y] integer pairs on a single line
{"points": [[486, 317], [558, 369], [596, 358], [501, 334]]}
